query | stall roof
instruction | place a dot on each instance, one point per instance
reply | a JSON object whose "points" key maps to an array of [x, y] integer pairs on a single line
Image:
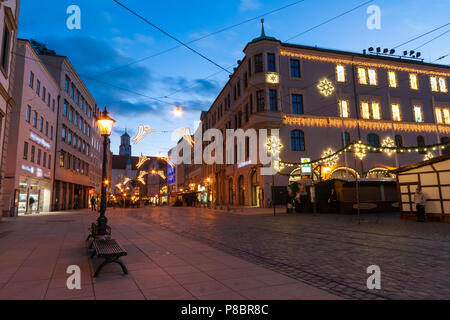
{"points": [[421, 164]]}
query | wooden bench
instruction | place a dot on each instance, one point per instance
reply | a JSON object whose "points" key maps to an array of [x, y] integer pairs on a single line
{"points": [[111, 251]]}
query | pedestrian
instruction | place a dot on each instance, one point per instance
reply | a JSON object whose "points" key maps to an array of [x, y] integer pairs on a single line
{"points": [[93, 204], [333, 201], [419, 200], [31, 201]]}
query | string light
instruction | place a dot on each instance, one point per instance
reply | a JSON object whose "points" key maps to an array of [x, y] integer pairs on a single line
{"points": [[360, 150], [388, 143], [330, 157], [360, 63], [142, 132], [141, 176], [142, 160]]}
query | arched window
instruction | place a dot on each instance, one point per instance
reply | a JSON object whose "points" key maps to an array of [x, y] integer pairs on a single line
{"points": [[297, 140], [345, 139], [446, 150], [373, 140], [421, 143]]}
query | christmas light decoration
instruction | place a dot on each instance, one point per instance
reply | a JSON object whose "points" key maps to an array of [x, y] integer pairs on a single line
{"points": [[388, 143], [272, 78], [126, 180], [428, 156], [330, 157], [142, 132], [360, 63], [142, 160], [360, 150], [141, 176], [325, 87]]}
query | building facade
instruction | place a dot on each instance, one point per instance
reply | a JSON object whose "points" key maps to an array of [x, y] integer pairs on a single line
{"points": [[28, 180], [77, 168], [9, 15], [321, 99]]}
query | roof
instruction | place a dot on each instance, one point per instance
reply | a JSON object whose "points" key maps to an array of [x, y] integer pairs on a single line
{"points": [[422, 163], [125, 134]]}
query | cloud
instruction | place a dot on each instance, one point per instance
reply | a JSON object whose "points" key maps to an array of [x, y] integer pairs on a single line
{"points": [[246, 5], [197, 86]]}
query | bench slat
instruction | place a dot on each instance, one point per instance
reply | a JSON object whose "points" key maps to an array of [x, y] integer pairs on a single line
{"points": [[108, 247]]}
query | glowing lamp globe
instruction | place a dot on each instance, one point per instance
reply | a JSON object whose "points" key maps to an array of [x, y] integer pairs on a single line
{"points": [[105, 123]]}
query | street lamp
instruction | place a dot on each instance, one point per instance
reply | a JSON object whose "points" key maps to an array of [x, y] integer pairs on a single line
{"points": [[105, 125]]}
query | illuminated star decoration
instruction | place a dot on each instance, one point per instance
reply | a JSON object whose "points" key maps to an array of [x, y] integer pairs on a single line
{"points": [[142, 132], [360, 150], [274, 145], [331, 158], [389, 143], [325, 87], [142, 160], [428, 156], [141, 176]]}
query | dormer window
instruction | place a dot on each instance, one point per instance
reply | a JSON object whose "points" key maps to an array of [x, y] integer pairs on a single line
{"points": [[258, 63]]}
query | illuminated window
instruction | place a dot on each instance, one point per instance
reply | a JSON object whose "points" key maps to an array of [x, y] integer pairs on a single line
{"points": [[344, 111], [362, 76], [438, 115], [376, 111], [365, 112], [418, 114], [340, 73], [434, 84], [446, 116], [396, 112], [372, 77], [413, 83], [442, 85], [392, 79]]}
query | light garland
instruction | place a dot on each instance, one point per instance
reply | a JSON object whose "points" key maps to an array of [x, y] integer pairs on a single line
{"points": [[352, 123], [142, 160], [360, 63], [142, 132], [141, 176], [330, 157]]}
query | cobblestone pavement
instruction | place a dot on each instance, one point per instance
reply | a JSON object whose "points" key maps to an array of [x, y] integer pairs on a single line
{"points": [[330, 252]]}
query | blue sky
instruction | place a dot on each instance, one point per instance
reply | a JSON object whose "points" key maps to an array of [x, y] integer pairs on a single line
{"points": [[110, 37]]}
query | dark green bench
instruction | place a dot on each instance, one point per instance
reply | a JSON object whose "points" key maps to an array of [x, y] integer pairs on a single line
{"points": [[111, 251]]}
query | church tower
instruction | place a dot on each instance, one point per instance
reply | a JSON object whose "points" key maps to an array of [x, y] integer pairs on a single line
{"points": [[125, 146]]}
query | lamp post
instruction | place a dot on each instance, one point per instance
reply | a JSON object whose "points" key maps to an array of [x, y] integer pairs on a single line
{"points": [[105, 125]]}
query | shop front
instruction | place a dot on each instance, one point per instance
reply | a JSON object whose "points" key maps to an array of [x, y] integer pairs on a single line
{"points": [[33, 195]]}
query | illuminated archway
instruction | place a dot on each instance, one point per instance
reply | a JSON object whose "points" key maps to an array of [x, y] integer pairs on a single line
{"points": [[344, 172], [379, 173]]}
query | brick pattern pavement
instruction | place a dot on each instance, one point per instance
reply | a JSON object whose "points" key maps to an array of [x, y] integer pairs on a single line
{"points": [[330, 252]]}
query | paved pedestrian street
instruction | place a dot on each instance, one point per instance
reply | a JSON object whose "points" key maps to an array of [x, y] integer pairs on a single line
{"points": [[35, 252], [330, 252]]}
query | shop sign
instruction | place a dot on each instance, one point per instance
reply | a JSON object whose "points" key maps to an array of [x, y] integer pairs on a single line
{"points": [[39, 140], [306, 168], [30, 169]]}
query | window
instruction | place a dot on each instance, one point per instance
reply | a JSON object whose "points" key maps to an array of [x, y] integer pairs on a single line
{"points": [[38, 87], [32, 153], [44, 93], [365, 111], [396, 112], [71, 114], [61, 159], [392, 77], [245, 80], [297, 140], [75, 121], [418, 114], [421, 144], [35, 119], [41, 124], [372, 77], [46, 128], [340, 73], [53, 105], [28, 114], [362, 76], [249, 67], [373, 140], [51, 132], [260, 100], [344, 111], [438, 84], [297, 103], [371, 110], [398, 141], [295, 68], [69, 137], [49, 163], [31, 83], [446, 117], [446, 150], [438, 113], [345, 139], [258, 63], [72, 91], [44, 160], [63, 133], [48, 100], [66, 85], [5, 47], [25, 150], [65, 109], [271, 62], [273, 100], [413, 82]]}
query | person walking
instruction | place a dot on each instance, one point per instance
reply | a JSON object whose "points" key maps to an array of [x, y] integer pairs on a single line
{"points": [[333, 201], [93, 204], [419, 200]]}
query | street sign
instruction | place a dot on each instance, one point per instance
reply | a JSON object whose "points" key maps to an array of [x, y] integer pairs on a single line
{"points": [[306, 168]]}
